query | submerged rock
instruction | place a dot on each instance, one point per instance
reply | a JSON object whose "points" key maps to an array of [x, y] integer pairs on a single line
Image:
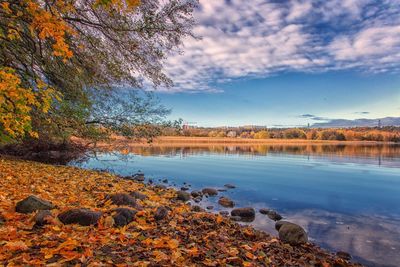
{"points": [[123, 216], [209, 207], [209, 191], [165, 181], [32, 204], [184, 188], [84, 217], [139, 177], [246, 212], [291, 233], [183, 196], [226, 202], [160, 213], [230, 186]]}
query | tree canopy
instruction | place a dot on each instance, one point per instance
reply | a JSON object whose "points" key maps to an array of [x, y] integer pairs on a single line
{"points": [[58, 57]]}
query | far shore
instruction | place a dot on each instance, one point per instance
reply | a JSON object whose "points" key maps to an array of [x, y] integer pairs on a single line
{"points": [[207, 141]]}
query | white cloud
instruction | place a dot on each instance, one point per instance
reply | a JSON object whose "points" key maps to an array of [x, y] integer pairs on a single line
{"points": [[242, 39]]}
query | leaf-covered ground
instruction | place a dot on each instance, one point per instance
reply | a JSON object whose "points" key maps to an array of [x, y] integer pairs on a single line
{"points": [[183, 238]]}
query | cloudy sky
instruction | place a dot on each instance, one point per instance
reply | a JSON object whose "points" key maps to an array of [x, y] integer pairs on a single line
{"points": [[288, 62]]}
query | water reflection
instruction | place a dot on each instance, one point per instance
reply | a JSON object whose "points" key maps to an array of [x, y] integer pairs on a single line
{"points": [[345, 196], [379, 154]]}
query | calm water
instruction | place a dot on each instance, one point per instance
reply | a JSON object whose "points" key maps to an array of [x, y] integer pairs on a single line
{"points": [[346, 197]]}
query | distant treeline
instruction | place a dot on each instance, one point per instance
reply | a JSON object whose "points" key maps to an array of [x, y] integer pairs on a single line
{"points": [[388, 134]]}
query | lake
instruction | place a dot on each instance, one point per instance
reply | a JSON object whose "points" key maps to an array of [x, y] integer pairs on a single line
{"points": [[347, 197]]}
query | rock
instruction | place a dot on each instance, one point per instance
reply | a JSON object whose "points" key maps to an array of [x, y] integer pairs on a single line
{"points": [[122, 199], [209, 191], [273, 215], [184, 188], [209, 207], [226, 202], [165, 181], [41, 218], [197, 208], [123, 216], [31, 204], [196, 193], [247, 212], [139, 177], [161, 213], [343, 255], [83, 217], [291, 233], [160, 186], [138, 195], [198, 199], [264, 211], [221, 190], [224, 213], [150, 181], [183, 195], [230, 186], [235, 218]]}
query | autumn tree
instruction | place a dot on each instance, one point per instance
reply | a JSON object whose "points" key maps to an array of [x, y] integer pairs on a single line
{"points": [[57, 57]]}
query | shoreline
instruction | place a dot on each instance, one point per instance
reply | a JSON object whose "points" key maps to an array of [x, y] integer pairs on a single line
{"points": [[70, 187]]}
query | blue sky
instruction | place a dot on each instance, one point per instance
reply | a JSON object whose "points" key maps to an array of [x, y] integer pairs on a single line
{"points": [[287, 63]]}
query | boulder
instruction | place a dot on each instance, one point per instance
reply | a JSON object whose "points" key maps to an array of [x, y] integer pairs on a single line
{"points": [[138, 195], [209, 191], [123, 216], [226, 202], [32, 204], [273, 215], [291, 233], [230, 186], [122, 199], [160, 213], [247, 212], [235, 218], [42, 217], [183, 196], [264, 211], [83, 217], [196, 193]]}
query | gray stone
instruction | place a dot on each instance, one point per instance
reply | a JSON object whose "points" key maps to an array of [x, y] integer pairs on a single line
{"points": [[343, 255], [209, 191], [32, 204], [161, 213], [123, 216], [224, 213], [123, 199], [196, 193], [273, 215], [138, 195], [246, 212], [226, 202], [83, 217], [183, 196], [41, 217], [264, 211], [291, 233]]}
